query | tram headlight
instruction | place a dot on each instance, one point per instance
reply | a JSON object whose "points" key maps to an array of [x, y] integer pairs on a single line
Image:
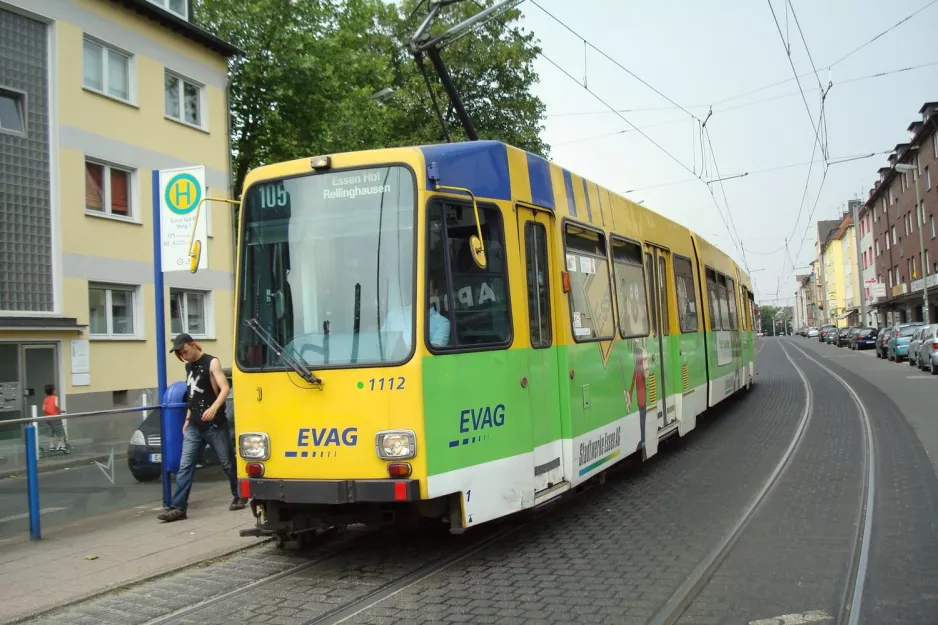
{"points": [[254, 446], [395, 444]]}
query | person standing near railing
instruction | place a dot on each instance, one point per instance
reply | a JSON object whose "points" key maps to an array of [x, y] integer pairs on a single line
{"points": [[206, 422], [50, 408]]}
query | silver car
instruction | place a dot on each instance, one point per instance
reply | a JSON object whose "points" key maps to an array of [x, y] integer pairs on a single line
{"points": [[927, 355], [915, 344], [813, 332]]}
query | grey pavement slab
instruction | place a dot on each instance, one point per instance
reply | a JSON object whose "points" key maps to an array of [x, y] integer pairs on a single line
{"points": [[131, 545]]}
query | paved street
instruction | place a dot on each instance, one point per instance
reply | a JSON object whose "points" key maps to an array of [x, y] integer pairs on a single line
{"points": [[759, 514], [81, 492]]}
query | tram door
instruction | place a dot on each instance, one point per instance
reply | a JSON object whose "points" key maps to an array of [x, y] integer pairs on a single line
{"points": [[665, 412], [540, 383]]}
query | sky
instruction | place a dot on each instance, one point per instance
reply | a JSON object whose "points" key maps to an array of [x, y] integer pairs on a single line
{"points": [[700, 53]]}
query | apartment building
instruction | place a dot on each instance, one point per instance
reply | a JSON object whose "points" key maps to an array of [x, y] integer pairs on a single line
{"points": [[902, 227], [95, 95]]}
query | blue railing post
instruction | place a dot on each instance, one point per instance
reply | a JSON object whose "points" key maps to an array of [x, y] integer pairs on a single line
{"points": [[161, 348], [32, 480]]}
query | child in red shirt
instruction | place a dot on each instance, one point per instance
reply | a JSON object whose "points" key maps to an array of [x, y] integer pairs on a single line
{"points": [[50, 407]]}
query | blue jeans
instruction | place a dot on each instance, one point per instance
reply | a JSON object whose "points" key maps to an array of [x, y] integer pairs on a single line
{"points": [[220, 442]]}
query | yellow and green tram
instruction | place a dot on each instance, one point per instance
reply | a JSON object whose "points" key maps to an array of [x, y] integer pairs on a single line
{"points": [[464, 331]]}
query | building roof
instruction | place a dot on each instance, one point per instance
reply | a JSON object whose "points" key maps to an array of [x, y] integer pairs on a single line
{"points": [[178, 25], [824, 229], [926, 106]]}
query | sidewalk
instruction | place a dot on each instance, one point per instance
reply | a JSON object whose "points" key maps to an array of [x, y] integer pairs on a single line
{"points": [[84, 451], [130, 545]]}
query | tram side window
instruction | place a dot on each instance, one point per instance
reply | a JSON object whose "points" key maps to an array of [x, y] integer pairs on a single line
{"points": [[630, 288], [467, 307], [731, 300], [686, 296], [722, 298], [538, 272], [590, 298], [714, 300]]}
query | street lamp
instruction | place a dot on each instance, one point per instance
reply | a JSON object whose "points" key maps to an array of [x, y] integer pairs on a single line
{"points": [[920, 218]]}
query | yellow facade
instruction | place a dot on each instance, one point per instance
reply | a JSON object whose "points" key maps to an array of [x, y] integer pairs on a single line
{"points": [[136, 135], [834, 279], [851, 272]]}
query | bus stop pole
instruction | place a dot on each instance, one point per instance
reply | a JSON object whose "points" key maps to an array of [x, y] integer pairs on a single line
{"points": [[32, 476], [160, 331]]}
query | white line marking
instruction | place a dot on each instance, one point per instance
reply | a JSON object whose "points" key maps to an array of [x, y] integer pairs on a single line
{"points": [[863, 563], [108, 467], [916, 377], [814, 616], [25, 515]]}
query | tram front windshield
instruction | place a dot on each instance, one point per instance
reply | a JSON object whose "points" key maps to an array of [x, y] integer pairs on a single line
{"points": [[327, 269]]}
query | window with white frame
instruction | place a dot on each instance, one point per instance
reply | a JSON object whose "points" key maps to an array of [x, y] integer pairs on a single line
{"points": [[884, 204], [112, 310], [934, 140], [927, 179], [931, 219], [108, 190], [927, 264], [189, 311], [105, 70], [183, 99], [878, 249], [893, 235], [179, 7]]}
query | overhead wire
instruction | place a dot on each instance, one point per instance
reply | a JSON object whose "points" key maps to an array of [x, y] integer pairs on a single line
{"points": [[612, 60], [797, 79], [897, 24], [762, 101], [731, 226]]}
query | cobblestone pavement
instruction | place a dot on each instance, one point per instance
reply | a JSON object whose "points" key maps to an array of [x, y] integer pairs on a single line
{"points": [[794, 556], [902, 584], [617, 552]]}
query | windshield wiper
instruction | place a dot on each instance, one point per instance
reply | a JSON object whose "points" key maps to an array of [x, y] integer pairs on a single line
{"points": [[297, 366]]}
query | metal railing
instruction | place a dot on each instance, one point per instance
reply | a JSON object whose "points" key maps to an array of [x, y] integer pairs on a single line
{"points": [[31, 427]]}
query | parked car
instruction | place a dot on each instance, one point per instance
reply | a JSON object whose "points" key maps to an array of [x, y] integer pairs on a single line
{"points": [[915, 343], [824, 331], [144, 457], [897, 347], [927, 357], [863, 338], [881, 339], [812, 332], [832, 334], [843, 337]]}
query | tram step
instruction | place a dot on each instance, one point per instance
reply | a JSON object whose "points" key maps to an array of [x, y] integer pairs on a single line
{"points": [[551, 493]]}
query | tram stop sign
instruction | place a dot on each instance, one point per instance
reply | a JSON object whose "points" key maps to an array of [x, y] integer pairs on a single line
{"points": [[181, 191]]}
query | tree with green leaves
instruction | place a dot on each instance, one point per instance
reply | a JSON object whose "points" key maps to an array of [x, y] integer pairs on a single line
{"points": [[310, 69]]}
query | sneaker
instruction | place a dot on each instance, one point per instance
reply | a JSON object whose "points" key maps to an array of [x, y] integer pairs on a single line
{"points": [[173, 514], [238, 503]]}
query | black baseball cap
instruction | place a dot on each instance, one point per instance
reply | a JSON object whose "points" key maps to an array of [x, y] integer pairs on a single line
{"points": [[179, 341]]}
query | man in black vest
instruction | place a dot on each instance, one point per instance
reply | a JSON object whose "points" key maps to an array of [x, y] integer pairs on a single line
{"points": [[206, 422]]}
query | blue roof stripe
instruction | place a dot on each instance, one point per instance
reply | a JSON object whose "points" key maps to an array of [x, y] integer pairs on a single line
{"points": [[571, 199], [542, 194], [589, 209], [480, 166]]}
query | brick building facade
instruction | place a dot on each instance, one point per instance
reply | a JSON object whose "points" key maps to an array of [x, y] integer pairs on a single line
{"points": [[896, 224]]}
